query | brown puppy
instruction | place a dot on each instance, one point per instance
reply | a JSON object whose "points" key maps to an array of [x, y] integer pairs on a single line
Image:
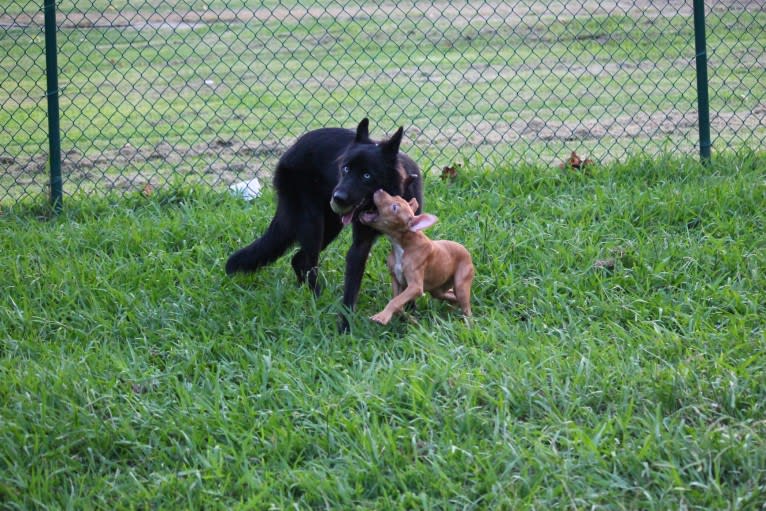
{"points": [[417, 264]]}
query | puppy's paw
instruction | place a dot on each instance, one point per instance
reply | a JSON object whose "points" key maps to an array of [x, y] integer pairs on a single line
{"points": [[381, 318]]}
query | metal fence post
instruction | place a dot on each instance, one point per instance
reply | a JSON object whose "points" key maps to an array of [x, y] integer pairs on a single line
{"points": [[703, 103], [54, 132]]}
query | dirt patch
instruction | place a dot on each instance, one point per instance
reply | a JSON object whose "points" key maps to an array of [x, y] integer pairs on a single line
{"points": [[659, 124], [223, 162], [220, 162]]}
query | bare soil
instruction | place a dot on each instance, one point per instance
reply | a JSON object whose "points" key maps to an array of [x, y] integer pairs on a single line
{"points": [[222, 162]]}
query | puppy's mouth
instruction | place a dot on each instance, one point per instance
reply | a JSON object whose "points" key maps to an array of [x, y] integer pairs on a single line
{"points": [[368, 217]]}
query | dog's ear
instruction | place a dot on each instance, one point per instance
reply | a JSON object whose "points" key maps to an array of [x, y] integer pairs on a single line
{"points": [[391, 146], [363, 131], [414, 204], [420, 222]]}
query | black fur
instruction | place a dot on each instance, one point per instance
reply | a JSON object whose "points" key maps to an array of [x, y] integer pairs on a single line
{"points": [[324, 166]]}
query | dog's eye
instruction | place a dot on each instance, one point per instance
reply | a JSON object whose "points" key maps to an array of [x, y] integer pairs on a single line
{"points": [[394, 208], [366, 176], [344, 169]]}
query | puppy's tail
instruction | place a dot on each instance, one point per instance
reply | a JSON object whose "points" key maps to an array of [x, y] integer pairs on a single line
{"points": [[266, 249]]}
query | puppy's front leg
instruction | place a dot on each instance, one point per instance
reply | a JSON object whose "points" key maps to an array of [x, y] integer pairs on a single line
{"points": [[413, 290], [396, 288]]}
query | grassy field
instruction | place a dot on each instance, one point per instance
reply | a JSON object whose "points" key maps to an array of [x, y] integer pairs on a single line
{"points": [[615, 360], [146, 97]]}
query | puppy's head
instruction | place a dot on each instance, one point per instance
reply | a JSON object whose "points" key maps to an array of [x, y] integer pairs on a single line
{"points": [[393, 215], [365, 167]]}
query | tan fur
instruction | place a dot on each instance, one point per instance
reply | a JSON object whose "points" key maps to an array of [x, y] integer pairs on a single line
{"points": [[402, 172], [443, 268]]}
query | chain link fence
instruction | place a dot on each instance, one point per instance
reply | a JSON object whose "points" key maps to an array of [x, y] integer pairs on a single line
{"points": [[154, 92]]}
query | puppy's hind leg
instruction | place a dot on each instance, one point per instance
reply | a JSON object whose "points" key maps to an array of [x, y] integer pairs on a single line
{"points": [[463, 281], [447, 295]]}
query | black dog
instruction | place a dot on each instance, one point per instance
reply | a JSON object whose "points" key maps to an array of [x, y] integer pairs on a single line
{"points": [[323, 182]]}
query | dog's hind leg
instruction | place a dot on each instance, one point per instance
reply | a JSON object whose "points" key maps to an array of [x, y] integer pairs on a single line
{"points": [[311, 235], [306, 267]]}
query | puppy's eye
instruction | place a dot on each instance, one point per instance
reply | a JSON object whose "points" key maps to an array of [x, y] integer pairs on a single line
{"points": [[344, 169], [394, 208], [366, 176]]}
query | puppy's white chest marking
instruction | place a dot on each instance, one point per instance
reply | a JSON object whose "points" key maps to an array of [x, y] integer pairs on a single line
{"points": [[398, 265]]}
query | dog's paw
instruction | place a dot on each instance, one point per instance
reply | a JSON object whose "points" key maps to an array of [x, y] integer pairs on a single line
{"points": [[343, 325], [381, 318]]}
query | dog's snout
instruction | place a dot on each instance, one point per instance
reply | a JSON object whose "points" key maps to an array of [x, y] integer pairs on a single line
{"points": [[340, 202], [340, 197]]}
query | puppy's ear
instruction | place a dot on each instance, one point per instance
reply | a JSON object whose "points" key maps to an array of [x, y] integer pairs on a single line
{"points": [[391, 146], [420, 222], [414, 204], [363, 131]]}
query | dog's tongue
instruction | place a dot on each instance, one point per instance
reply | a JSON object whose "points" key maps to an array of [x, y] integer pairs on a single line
{"points": [[346, 219]]}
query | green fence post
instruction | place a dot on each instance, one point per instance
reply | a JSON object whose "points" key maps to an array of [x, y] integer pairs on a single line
{"points": [[703, 103], [54, 133]]}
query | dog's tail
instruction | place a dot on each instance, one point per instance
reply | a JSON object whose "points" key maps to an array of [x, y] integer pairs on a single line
{"points": [[266, 249]]}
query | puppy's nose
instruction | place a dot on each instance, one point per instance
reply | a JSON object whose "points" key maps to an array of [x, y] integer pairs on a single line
{"points": [[340, 197]]}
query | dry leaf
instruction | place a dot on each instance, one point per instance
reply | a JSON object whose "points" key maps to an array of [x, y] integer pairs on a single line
{"points": [[575, 162], [607, 264], [450, 172]]}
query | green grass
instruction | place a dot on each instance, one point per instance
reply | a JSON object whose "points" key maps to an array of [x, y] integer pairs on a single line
{"points": [[615, 360]]}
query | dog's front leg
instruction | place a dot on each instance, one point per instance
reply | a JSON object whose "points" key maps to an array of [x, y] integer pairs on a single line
{"points": [[356, 259]]}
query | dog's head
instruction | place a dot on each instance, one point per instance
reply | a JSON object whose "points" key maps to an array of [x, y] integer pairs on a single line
{"points": [[394, 215], [367, 166]]}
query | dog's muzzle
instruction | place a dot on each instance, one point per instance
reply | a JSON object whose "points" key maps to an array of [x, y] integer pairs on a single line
{"points": [[339, 202], [340, 205]]}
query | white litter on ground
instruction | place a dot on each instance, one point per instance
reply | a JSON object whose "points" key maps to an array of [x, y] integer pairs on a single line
{"points": [[248, 190]]}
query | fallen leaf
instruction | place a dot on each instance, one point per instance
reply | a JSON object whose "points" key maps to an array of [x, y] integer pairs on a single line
{"points": [[575, 162], [450, 172], [607, 264], [144, 387]]}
